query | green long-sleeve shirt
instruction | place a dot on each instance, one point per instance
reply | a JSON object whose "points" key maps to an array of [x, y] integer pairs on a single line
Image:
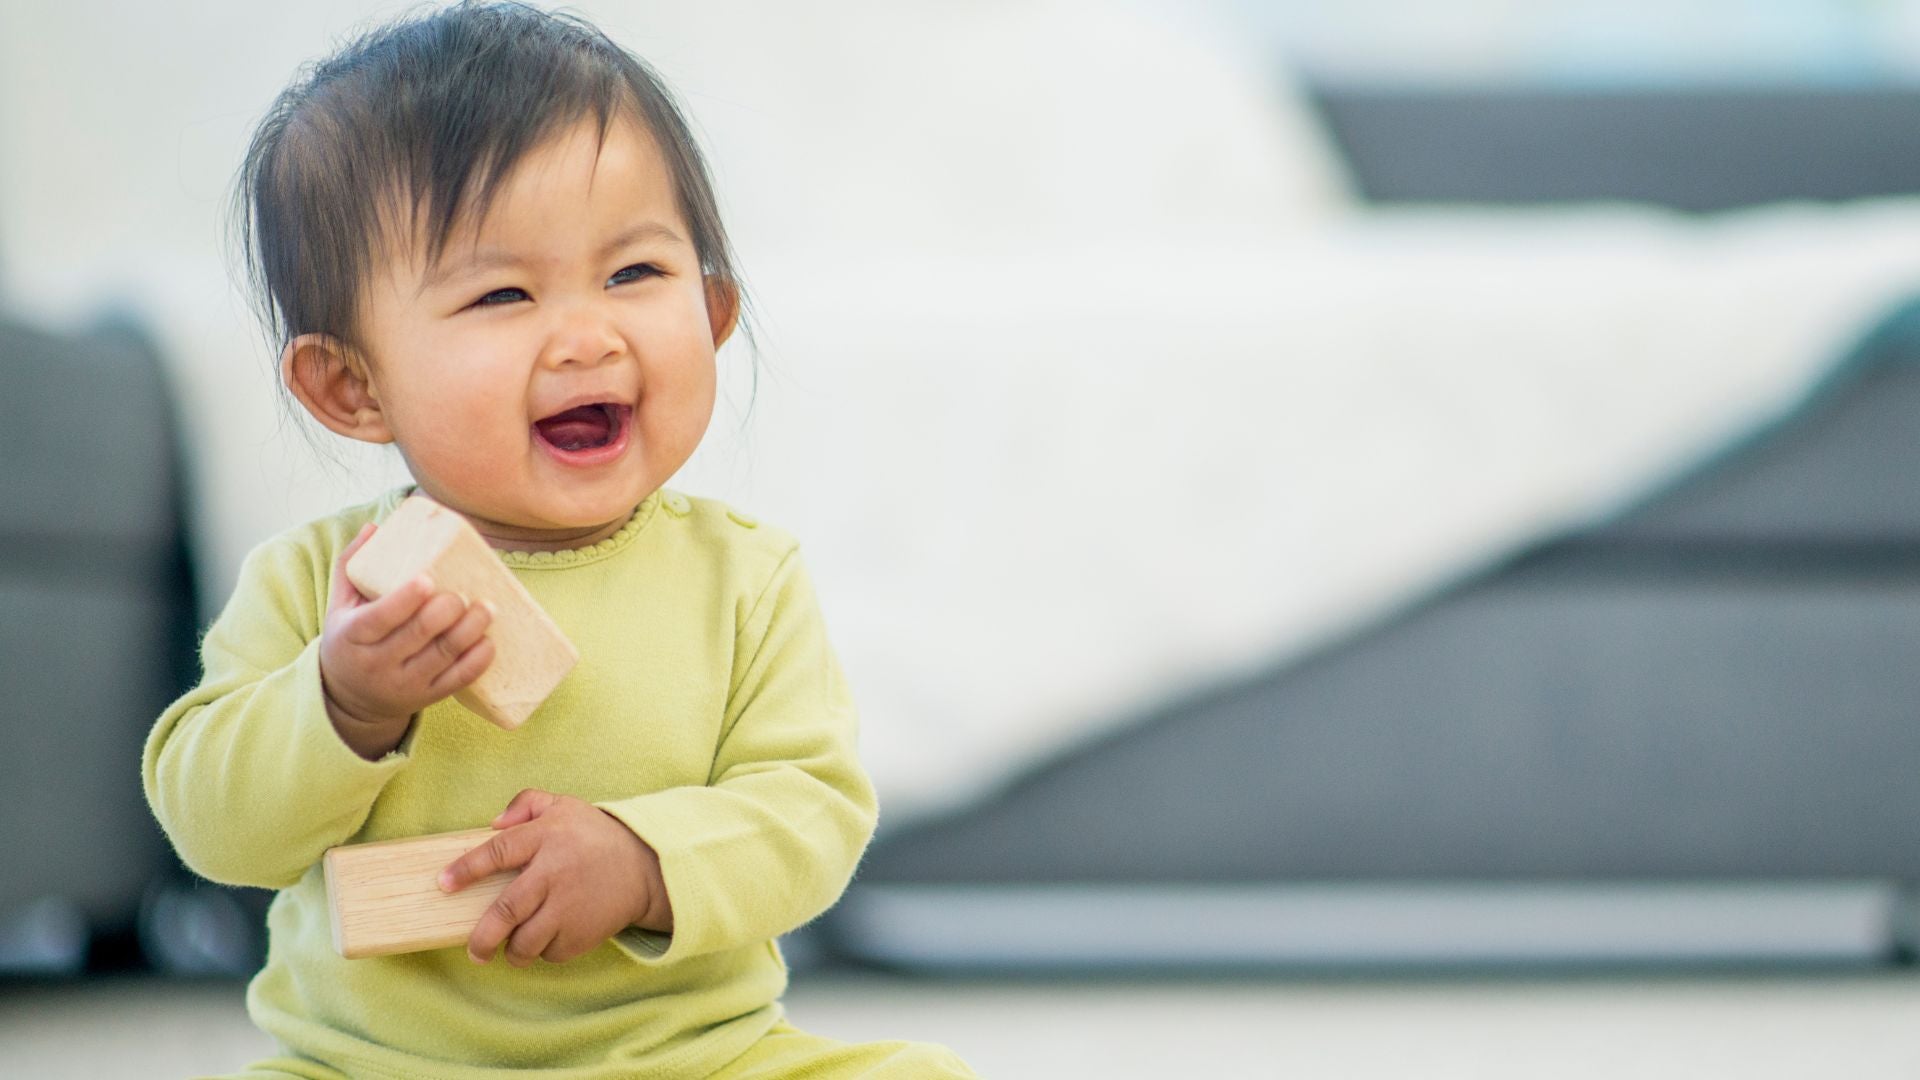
{"points": [[707, 712]]}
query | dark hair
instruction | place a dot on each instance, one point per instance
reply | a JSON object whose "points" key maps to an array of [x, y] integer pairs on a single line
{"points": [[417, 123]]}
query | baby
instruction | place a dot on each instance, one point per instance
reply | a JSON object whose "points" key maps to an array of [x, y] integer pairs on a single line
{"points": [[484, 235]]}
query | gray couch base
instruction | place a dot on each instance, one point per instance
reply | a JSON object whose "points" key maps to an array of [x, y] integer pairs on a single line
{"points": [[1090, 928]]}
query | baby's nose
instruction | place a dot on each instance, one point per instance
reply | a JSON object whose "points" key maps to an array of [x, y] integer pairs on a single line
{"points": [[582, 335]]}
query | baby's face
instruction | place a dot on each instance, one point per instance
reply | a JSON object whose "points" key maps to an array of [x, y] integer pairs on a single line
{"points": [[557, 365]]}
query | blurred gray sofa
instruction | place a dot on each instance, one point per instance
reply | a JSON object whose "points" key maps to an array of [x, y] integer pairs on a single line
{"points": [[1691, 735], [1698, 148], [97, 634]]}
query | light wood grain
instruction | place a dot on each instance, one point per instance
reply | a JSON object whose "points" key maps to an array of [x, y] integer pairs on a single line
{"points": [[530, 654], [385, 897]]}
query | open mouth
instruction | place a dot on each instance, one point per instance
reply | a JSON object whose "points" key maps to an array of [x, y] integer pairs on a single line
{"points": [[585, 432]]}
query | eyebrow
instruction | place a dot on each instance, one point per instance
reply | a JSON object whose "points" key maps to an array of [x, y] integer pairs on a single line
{"points": [[497, 258]]}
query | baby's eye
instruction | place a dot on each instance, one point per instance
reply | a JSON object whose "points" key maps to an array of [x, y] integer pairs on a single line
{"points": [[501, 296], [633, 273]]}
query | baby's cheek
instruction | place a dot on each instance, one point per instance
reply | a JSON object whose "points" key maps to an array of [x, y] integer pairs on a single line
{"points": [[675, 416], [478, 423], [465, 452]]}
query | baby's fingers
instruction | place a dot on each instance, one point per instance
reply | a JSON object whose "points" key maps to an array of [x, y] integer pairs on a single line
{"points": [[467, 667], [515, 905], [431, 619], [372, 623], [450, 637], [529, 804], [509, 849], [536, 935]]}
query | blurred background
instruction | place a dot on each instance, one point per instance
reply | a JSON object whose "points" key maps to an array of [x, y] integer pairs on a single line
{"points": [[1371, 539]]}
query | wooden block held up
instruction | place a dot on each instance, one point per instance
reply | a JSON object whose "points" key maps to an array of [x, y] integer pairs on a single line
{"points": [[530, 654], [385, 897]]}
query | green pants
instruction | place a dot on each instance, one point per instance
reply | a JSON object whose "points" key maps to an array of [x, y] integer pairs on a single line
{"points": [[784, 1053]]}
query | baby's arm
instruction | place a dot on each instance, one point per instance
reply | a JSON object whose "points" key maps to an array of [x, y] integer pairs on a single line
{"points": [[256, 771], [768, 844]]}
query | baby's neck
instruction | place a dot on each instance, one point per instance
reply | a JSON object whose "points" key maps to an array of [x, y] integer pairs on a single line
{"points": [[513, 538]]}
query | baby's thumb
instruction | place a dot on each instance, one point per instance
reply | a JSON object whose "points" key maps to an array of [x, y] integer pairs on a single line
{"points": [[344, 593], [526, 806]]}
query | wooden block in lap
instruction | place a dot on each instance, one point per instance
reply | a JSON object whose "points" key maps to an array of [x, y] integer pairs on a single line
{"points": [[385, 897], [530, 654]]}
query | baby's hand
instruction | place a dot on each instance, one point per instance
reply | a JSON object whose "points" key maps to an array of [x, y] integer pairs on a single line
{"points": [[383, 660], [587, 877]]}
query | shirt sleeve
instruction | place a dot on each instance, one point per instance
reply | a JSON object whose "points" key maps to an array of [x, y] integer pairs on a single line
{"points": [[245, 772], [773, 838]]}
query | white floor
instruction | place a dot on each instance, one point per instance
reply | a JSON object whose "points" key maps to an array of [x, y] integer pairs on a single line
{"points": [[1859, 1027]]}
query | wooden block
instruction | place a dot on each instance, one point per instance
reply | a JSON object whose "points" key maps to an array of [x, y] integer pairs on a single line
{"points": [[385, 897], [530, 654]]}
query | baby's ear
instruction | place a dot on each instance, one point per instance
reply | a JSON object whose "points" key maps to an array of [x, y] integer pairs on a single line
{"points": [[332, 381], [723, 308]]}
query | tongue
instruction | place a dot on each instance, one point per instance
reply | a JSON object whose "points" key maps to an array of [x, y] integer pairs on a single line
{"points": [[577, 429]]}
